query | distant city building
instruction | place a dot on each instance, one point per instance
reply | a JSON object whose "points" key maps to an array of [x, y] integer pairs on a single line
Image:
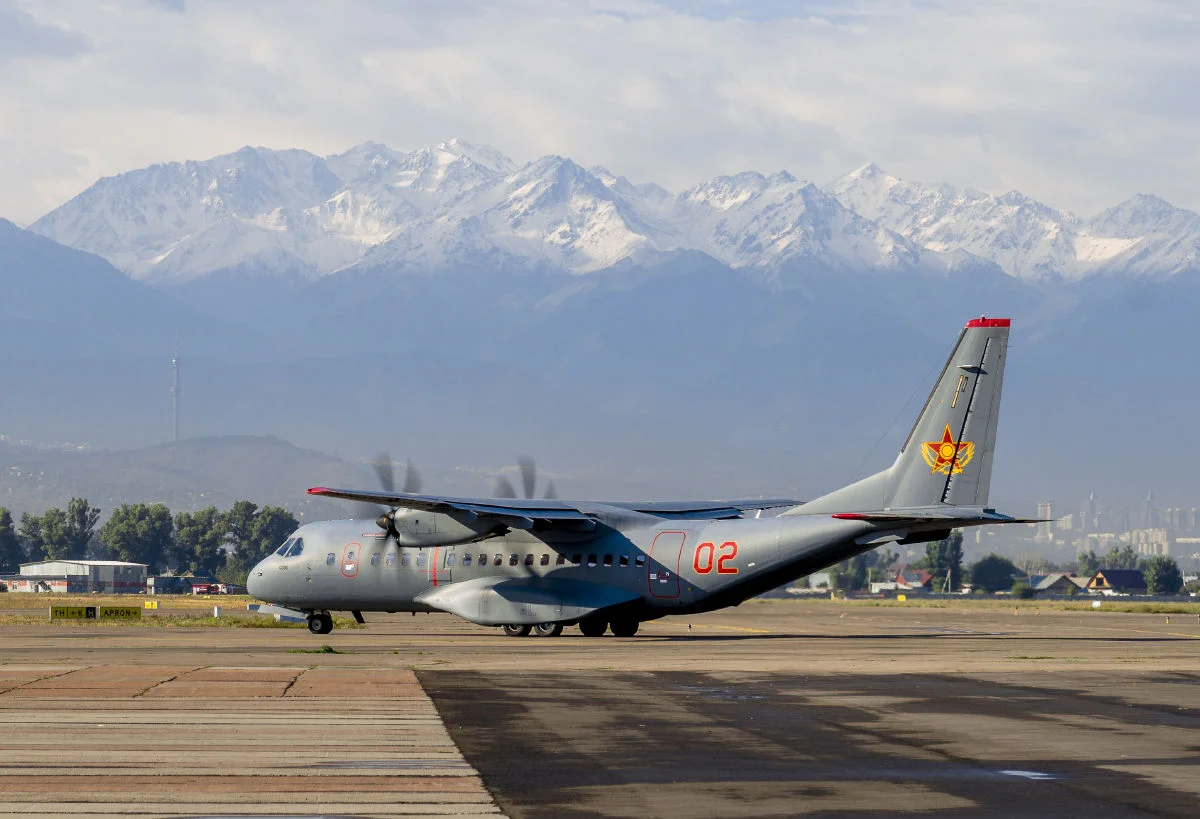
{"points": [[1045, 530], [1151, 541], [1066, 523], [80, 577]]}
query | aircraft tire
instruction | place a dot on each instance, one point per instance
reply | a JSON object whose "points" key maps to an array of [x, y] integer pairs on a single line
{"points": [[593, 627], [624, 628], [547, 629], [515, 630], [320, 623]]}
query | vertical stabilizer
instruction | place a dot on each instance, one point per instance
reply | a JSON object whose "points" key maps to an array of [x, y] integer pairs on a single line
{"points": [[947, 458]]}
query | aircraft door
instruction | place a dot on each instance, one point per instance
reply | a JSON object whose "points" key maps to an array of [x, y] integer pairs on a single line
{"points": [[663, 566], [350, 559], [444, 565]]}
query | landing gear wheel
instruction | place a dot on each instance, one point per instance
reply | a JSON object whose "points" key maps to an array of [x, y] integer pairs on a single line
{"points": [[593, 627], [624, 628], [516, 631], [547, 629], [320, 623]]}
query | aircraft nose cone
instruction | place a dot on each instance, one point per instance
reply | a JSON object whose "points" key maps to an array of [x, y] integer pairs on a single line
{"points": [[256, 582]]}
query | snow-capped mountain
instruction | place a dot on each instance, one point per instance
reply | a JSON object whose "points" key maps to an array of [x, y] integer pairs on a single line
{"points": [[1024, 237], [289, 212]]}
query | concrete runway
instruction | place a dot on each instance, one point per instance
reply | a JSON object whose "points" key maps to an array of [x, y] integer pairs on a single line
{"points": [[772, 709]]}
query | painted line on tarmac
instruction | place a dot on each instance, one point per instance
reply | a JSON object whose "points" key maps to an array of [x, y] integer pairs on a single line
{"points": [[690, 626]]}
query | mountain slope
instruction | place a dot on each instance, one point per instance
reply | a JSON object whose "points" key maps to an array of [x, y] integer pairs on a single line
{"points": [[1027, 239]]}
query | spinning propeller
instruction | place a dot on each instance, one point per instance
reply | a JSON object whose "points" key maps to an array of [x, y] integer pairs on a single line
{"points": [[505, 489], [385, 470]]}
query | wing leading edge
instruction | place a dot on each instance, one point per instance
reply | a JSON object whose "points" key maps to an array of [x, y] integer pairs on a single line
{"points": [[507, 510]]}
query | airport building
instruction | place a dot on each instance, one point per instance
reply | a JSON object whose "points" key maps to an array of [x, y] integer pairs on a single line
{"points": [[80, 577]]}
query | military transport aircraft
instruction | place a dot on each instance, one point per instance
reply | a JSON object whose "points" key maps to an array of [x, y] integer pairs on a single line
{"points": [[538, 565]]}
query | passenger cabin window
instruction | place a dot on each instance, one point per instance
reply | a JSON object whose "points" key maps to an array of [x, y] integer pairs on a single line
{"points": [[545, 560], [466, 560], [406, 560], [608, 560], [391, 561], [576, 560], [420, 558], [375, 558], [452, 559], [560, 560], [591, 560], [483, 560], [330, 559], [528, 560], [641, 560], [624, 560], [499, 561], [513, 560]]}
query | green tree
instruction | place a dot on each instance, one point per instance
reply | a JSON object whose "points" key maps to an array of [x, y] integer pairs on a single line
{"points": [[11, 553], [238, 523], [199, 542], [1089, 564], [31, 537], [1162, 575], [139, 533], [856, 573], [993, 573], [272, 526], [1124, 558], [81, 526], [944, 559], [56, 535]]}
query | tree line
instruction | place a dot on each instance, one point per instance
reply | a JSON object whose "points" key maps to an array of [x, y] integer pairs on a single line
{"points": [[224, 544], [944, 560]]}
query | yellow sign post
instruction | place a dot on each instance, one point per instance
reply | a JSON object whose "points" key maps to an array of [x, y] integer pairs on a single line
{"points": [[151, 604], [120, 613], [72, 612]]}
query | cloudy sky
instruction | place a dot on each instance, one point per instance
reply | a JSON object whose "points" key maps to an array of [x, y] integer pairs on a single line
{"points": [[1080, 104]]}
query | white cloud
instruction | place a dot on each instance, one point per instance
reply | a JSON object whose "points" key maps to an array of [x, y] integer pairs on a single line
{"points": [[1079, 104]]}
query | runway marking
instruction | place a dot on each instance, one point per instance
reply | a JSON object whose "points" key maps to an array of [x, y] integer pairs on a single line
{"points": [[690, 626]]}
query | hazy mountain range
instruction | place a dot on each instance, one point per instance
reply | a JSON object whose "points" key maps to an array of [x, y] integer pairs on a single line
{"points": [[752, 335], [292, 213]]}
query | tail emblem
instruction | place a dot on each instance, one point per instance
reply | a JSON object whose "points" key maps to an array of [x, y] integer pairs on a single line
{"points": [[947, 454]]}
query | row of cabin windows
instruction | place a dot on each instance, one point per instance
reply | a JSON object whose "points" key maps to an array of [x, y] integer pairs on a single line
{"points": [[498, 560]]}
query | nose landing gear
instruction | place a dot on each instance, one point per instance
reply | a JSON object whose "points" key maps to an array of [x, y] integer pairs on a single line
{"points": [[320, 622]]}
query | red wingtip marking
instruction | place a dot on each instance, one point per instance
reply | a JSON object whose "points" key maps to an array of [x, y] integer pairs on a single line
{"points": [[983, 321], [319, 490], [849, 516]]}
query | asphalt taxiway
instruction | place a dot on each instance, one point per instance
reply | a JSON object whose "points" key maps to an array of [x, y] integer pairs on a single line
{"points": [[772, 709]]}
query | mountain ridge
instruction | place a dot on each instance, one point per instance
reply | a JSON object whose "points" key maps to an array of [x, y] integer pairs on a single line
{"points": [[291, 213]]}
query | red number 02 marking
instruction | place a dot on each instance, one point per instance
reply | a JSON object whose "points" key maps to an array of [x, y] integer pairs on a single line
{"points": [[705, 553], [728, 552]]}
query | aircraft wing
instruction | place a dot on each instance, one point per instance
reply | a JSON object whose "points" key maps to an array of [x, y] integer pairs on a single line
{"points": [[494, 601], [515, 513], [521, 511]]}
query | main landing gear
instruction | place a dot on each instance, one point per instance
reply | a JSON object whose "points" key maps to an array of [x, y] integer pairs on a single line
{"points": [[621, 627], [320, 622], [540, 630]]}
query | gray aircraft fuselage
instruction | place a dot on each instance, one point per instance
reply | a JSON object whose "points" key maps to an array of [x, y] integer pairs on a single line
{"points": [[672, 567]]}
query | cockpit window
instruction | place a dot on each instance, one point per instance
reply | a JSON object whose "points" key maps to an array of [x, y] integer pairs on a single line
{"points": [[296, 549], [282, 550]]}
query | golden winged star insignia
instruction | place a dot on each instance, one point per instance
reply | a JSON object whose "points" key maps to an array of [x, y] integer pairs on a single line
{"points": [[947, 454]]}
